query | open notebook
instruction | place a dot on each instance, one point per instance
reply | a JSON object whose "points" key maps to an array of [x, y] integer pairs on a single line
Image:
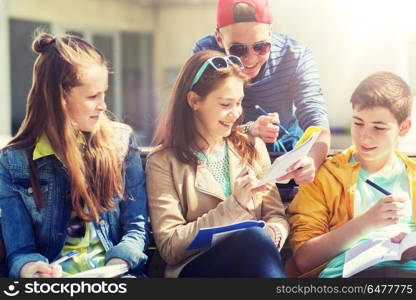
{"points": [[102, 272], [282, 163], [209, 237], [371, 252]]}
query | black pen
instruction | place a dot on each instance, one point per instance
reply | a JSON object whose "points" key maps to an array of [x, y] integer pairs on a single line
{"points": [[377, 187], [258, 107]]}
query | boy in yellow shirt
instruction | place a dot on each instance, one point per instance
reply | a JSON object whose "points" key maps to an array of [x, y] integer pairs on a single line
{"points": [[339, 209]]}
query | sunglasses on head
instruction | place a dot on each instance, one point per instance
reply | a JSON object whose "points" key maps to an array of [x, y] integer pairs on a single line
{"points": [[76, 227], [217, 62], [240, 50]]}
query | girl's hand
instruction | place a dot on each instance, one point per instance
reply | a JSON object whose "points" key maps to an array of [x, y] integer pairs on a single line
{"points": [[244, 186], [40, 269], [117, 261], [387, 211], [274, 233]]}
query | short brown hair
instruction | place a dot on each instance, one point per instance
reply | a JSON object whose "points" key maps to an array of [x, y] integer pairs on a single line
{"points": [[244, 12], [387, 90]]}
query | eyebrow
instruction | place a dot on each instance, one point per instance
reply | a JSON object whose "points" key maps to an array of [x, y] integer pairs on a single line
{"points": [[100, 91], [238, 43], [376, 122], [230, 99]]}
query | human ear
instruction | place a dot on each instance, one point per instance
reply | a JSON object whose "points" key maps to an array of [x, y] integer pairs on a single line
{"points": [[218, 38], [193, 100], [405, 127]]}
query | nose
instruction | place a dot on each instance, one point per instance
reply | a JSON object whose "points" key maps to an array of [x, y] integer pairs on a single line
{"points": [[234, 113], [366, 134], [102, 106], [251, 57]]}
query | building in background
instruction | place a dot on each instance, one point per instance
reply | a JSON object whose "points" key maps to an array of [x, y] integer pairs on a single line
{"points": [[148, 41]]}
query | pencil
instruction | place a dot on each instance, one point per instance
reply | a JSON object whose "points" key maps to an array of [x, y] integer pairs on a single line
{"points": [[377, 187], [261, 109]]}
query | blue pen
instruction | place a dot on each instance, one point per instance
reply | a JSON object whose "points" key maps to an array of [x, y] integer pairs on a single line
{"points": [[65, 257], [258, 107], [377, 187]]}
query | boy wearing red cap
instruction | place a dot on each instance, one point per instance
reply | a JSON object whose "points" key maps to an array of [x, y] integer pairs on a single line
{"points": [[283, 80]]}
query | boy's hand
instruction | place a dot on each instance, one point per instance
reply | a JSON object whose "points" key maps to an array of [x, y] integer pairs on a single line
{"points": [[409, 254], [265, 128], [387, 211], [398, 238], [303, 171]]}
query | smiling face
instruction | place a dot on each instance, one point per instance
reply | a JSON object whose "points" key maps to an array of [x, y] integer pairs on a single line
{"points": [[216, 114], [375, 132], [86, 102], [247, 33]]}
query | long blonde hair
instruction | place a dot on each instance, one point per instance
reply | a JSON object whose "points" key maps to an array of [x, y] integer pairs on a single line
{"points": [[94, 173]]}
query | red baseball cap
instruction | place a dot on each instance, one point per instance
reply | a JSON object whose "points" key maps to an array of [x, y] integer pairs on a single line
{"points": [[225, 11]]}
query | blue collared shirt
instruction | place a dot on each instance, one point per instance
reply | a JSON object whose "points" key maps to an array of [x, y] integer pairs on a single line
{"points": [[287, 84]]}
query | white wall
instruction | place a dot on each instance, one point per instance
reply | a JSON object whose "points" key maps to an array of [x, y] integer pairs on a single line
{"points": [[177, 29], [114, 14], [350, 40]]}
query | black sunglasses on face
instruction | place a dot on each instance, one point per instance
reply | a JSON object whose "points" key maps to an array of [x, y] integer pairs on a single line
{"points": [[76, 227], [261, 48]]}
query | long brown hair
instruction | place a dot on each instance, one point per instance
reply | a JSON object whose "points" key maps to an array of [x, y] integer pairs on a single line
{"points": [[93, 171], [176, 128]]}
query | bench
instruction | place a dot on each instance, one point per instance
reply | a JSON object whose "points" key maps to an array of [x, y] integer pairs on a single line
{"points": [[156, 266]]}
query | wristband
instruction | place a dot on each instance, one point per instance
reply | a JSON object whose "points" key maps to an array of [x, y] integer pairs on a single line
{"points": [[246, 127]]}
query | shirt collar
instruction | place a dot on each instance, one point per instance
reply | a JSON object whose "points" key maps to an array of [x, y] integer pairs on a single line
{"points": [[44, 148]]}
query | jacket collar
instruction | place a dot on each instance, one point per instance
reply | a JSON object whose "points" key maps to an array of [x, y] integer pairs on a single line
{"points": [[43, 153], [342, 160], [346, 172]]}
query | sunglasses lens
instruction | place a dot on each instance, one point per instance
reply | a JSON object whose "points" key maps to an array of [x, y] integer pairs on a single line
{"points": [[262, 48], [219, 62], [76, 227], [235, 60], [238, 50]]}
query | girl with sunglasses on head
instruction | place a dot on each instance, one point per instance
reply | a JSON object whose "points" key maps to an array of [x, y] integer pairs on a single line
{"points": [[71, 179], [283, 80], [203, 173]]}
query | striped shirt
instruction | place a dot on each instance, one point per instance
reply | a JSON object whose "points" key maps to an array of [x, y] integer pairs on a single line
{"points": [[287, 84]]}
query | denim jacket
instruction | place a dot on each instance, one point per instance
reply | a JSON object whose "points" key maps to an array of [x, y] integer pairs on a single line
{"points": [[30, 234]]}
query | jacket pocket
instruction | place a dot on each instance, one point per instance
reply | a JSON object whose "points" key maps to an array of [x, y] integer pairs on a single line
{"points": [[24, 188]]}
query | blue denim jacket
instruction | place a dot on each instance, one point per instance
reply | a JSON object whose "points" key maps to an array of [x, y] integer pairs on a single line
{"points": [[30, 234]]}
